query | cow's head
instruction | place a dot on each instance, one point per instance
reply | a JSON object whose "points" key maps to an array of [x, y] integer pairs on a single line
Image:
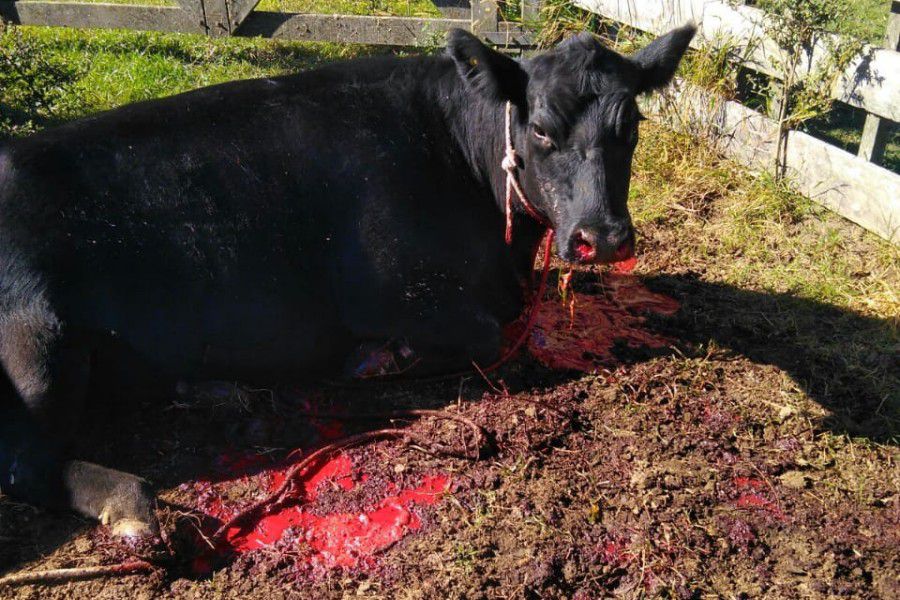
{"points": [[576, 130]]}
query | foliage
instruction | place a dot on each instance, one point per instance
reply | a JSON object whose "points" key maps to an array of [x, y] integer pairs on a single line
{"points": [[803, 93], [559, 19], [715, 66], [798, 24], [864, 20]]}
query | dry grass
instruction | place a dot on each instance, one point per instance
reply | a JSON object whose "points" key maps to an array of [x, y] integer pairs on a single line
{"points": [[764, 236]]}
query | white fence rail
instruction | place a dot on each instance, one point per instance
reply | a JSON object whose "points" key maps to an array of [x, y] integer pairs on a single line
{"points": [[850, 185], [871, 82], [856, 189]]}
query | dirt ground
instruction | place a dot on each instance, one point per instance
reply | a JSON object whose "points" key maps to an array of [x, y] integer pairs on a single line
{"points": [[727, 456]]}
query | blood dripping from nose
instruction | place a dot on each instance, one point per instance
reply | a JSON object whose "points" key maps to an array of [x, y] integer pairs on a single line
{"points": [[584, 249]]}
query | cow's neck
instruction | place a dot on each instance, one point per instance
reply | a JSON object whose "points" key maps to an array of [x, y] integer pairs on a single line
{"points": [[478, 126]]}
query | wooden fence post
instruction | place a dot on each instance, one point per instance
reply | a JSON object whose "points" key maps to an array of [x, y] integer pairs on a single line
{"points": [[875, 131], [531, 11], [484, 17], [194, 11], [217, 21], [223, 17]]}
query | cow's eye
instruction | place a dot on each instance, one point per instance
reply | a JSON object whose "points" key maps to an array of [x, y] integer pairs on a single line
{"points": [[541, 135]]}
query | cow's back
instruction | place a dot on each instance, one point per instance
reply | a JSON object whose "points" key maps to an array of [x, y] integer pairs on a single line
{"points": [[219, 224]]}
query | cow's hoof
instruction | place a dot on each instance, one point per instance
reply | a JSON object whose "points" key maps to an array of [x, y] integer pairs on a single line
{"points": [[128, 510], [132, 528], [380, 360], [128, 514], [139, 539]]}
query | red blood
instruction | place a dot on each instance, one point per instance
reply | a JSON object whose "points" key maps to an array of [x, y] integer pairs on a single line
{"points": [[748, 482], [584, 250], [625, 266], [326, 429], [758, 502], [624, 252], [754, 501], [584, 340], [613, 552], [338, 539]]}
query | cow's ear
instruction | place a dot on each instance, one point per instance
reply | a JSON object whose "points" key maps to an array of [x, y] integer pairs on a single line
{"points": [[658, 60], [484, 70]]}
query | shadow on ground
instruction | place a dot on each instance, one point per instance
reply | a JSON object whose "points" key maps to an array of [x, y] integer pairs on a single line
{"points": [[845, 362]]}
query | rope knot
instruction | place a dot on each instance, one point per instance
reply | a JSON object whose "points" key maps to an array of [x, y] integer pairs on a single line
{"points": [[509, 164], [510, 160]]}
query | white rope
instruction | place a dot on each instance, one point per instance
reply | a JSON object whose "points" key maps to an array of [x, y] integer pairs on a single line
{"points": [[510, 164]]}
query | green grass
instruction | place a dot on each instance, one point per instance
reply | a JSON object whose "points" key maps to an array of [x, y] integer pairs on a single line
{"points": [[98, 70], [869, 20]]}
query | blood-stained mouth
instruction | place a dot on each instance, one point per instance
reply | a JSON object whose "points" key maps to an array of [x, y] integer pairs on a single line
{"points": [[584, 249]]}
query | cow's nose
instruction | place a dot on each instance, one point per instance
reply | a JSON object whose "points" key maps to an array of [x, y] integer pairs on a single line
{"points": [[584, 245], [611, 245], [618, 235]]}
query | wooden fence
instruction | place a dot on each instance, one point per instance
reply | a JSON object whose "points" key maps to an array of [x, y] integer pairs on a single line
{"points": [[852, 185], [238, 17]]}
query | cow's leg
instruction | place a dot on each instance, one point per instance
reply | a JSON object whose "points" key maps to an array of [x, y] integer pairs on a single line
{"points": [[42, 395], [455, 338]]}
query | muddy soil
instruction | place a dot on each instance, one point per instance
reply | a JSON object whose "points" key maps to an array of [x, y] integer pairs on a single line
{"points": [[711, 452]]}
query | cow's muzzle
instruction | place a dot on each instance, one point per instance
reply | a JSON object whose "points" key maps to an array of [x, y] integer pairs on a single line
{"points": [[588, 246]]}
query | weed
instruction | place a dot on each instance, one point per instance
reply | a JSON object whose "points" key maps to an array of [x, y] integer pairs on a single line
{"points": [[798, 27], [714, 66], [560, 18]]}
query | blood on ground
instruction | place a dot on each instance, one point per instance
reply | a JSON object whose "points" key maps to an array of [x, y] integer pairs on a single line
{"points": [[584, 340]]}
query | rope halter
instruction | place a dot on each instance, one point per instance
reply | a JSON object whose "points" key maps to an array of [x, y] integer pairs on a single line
{"points": [[510, 164]]}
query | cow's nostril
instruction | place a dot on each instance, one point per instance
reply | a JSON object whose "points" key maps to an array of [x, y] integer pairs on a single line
{"points": [[624, 251], [584, 248]]}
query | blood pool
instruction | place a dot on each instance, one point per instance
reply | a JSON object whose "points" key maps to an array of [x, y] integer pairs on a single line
{"points": [[585, 339], [332, 539]]}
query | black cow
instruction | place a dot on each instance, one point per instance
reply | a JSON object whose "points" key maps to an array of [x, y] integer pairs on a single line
{"points": [[269, 229]]}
